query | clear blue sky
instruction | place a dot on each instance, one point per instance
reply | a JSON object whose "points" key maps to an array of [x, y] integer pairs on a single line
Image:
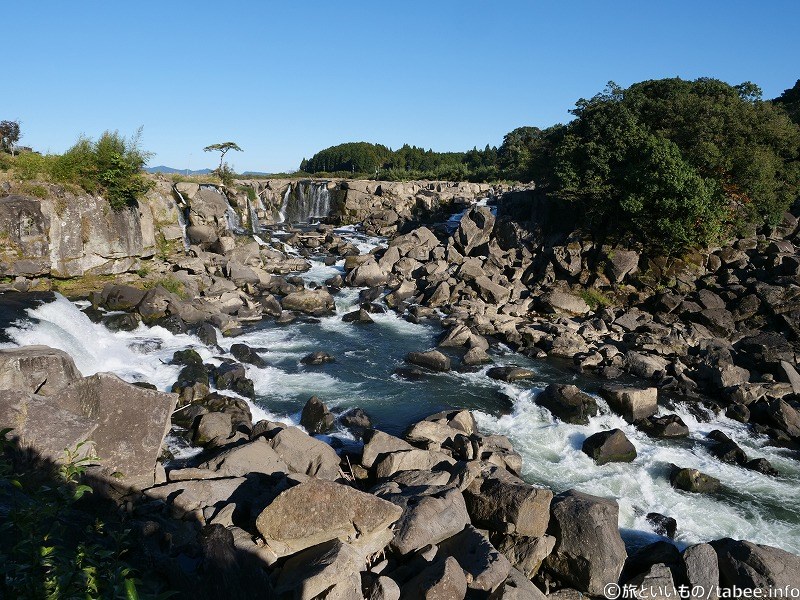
{"points": [[285, 79]]}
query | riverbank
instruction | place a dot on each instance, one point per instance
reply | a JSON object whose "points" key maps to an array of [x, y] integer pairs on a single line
{"points": [[299, 319]]}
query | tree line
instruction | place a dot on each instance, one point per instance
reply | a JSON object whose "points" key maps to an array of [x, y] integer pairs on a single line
{"points": [[678, 163]]}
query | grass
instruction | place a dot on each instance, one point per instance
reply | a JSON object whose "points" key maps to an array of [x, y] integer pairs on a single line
{"points": [[595, 298], [171, 284]]}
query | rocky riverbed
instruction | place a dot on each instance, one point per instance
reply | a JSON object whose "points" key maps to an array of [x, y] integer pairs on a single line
{"points": [[691, 410]]}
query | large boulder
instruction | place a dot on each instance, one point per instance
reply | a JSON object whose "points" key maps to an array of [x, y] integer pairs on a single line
{"points": [[31, 419], [497, 499], [702, 571], [316, 417], [314, 302], [474, 229], [567, 403], [692, 480], [255, 457], [432, 359], [368, 274], [487, 568], [631, 403], [745, 565], [565, 303], [305, 454], [429, 516], [443, 579], [316, 570], [131, 422], [378, 444], [319, 511], [36, 369], [609, 446], [589, 551]]}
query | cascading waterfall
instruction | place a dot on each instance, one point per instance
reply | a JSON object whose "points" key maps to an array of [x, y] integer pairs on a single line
{"points": [[183, 213], [305, 201], [254, 224]]}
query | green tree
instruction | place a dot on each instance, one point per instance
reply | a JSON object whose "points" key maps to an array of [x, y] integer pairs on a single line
{"points": [[223, 148], [9, 135], [789, 100]]}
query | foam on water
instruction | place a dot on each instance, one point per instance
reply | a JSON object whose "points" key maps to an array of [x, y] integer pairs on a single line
{"points": [[751, 506]]}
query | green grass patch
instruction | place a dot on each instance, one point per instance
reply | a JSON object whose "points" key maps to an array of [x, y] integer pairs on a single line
{"points": [[595, 298]]}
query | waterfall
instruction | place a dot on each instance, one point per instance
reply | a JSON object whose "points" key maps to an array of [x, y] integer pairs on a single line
{"points": [[183, 213], [306, 201], [254, 225]]}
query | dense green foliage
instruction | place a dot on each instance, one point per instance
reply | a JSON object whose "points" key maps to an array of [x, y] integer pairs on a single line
{"points": [[110, 167], [407, 162], [674, 163], [790, 101], [50, 547]]}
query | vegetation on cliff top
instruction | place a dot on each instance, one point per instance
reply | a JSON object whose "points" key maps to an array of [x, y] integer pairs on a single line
{"points": [[110, 167], [672, 163]]}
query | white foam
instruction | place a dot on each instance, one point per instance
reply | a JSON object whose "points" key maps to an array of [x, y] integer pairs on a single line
{"points": [[552, 456]]}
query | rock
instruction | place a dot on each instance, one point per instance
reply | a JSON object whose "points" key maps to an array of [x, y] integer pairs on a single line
{"points": [[122, 297], [255, 457], [316, 417], [462, 420], [475, 356], [486, 567], [314, 302], [621, 263], [358, 316], [319, 511], [428, 517], [567, 403], [378, 444], [212, 429], [304, 454], [244, 353], [644, 366], [317, 358], [201, 235], [560, 302], [474, 229], [509, 374], [192, 497], [745, 565], [776, 413], [368, 274], [314, 571], [589, 552], [655, 582], [662, 525], [526, 553], [31, 419], [356, 420], [442, 580], [668, 426], [692, 480], [497, 498], [131, 423], [233, 376], [36, 369], [761, 465], [432, 359], [518, 587], [702, 571], [609, 446], [124, 322], [380, 588], [410, 460], [631, 403], [490, 291], [207, 334]]}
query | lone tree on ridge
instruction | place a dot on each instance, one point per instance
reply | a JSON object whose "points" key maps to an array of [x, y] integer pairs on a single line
{"points": [[222, 148], [9, 135]]}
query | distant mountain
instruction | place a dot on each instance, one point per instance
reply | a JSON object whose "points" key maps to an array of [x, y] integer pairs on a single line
{"points": [[163, 169], [256, 174]]}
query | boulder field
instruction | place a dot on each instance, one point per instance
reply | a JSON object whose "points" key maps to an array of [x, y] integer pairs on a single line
{"points": [[440, 513]]}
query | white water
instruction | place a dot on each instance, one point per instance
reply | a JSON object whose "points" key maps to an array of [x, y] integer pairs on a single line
{"points": [[751, 506], [746, 509], [305, 201], [137, 356], [181, 207]]}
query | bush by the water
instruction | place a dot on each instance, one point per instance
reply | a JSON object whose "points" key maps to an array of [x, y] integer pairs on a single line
{"points": [[111, 167]]}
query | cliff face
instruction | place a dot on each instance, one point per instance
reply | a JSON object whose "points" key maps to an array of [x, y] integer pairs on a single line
{"points": [[68, 235]]}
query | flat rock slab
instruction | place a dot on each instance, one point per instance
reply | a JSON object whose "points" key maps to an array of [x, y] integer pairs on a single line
{"points": [[36, 369], [131, 422], [319, 511]]}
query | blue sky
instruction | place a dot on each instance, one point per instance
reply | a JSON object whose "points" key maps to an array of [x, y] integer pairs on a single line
{"points": [[285, 79]]}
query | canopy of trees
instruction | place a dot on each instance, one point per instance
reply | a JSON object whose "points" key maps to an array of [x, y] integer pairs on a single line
{"points": [[9, 135], [673, 163]]}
